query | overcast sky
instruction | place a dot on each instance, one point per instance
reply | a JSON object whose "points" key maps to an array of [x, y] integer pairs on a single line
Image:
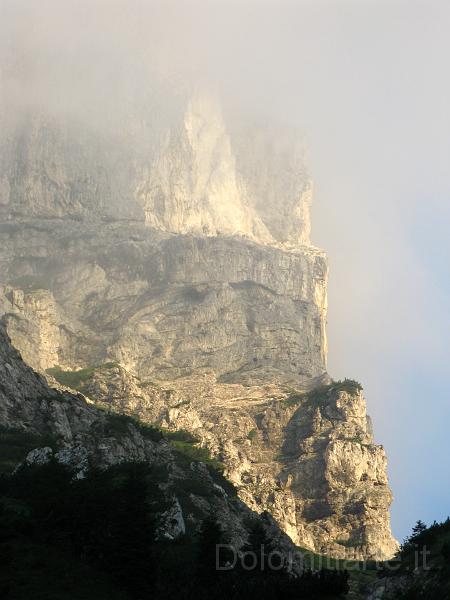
{"points": [[368, 84]]}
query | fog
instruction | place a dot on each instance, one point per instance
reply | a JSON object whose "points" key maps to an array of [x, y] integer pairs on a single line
{"points": [[367, 83]]}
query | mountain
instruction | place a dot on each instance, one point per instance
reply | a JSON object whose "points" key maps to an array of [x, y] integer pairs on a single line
{"points": [[162, 265]]}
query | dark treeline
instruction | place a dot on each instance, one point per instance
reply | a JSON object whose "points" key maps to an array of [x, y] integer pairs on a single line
{"points": [[62, 538], [424, 563]]}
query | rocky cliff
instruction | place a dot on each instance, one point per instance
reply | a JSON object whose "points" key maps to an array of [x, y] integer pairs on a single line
{"points": [[178, 252]]}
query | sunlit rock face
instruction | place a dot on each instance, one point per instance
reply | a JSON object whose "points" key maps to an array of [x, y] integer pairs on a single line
{"points": [[205, 181], [176, 246], [195, 175]]}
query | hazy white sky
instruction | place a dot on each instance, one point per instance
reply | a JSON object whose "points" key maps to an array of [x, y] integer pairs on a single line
{"points": [[368, 83]]}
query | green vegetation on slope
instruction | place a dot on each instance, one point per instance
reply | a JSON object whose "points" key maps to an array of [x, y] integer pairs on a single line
{"points": [[186, 447], [426, 554], [118, 425], [77, 379], [16, 444], [320, 395]]}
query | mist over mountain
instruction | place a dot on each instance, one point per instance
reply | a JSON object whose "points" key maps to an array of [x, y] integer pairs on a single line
{"points": [[168, 172]]}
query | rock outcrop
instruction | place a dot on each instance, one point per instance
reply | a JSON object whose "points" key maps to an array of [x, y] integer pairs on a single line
{"points": [[177, 250], [308, 458]]}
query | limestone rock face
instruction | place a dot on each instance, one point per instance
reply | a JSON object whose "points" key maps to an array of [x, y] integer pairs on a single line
{"points": [[175, 247]]}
